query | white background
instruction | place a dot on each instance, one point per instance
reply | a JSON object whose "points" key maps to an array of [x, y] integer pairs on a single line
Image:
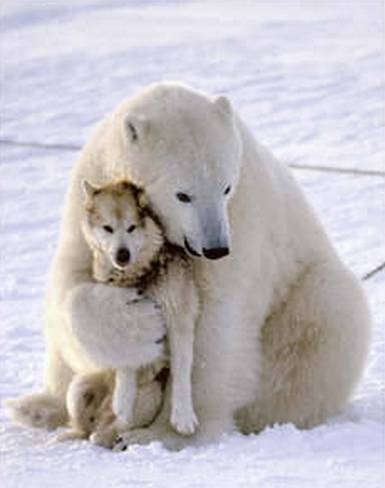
{"points": [[308, 78]]}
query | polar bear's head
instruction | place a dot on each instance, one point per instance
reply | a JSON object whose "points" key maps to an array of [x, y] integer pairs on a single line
{"points": [[185, 150]]}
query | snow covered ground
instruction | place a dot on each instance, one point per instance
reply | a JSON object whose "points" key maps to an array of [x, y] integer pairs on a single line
{"points": [[308, 77]]}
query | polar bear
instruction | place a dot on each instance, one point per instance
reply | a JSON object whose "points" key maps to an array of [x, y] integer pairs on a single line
{"points": [[284, 327]]}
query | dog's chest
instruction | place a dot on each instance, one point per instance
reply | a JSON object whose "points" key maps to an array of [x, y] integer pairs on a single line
{"points": [[147, 277]]}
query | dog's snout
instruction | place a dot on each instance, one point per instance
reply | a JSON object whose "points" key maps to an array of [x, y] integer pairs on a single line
{"points": [[122, 256], [216, 252]]}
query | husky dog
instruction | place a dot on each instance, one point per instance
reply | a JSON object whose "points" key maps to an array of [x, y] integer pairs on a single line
{"points": [[130, 250], [89, 403]]}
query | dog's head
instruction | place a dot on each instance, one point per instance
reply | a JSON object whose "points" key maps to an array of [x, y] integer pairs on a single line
{"points": [[117, 222]]}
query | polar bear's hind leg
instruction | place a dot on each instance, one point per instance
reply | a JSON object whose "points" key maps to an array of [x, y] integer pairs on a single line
{"points": [[314, 351]]}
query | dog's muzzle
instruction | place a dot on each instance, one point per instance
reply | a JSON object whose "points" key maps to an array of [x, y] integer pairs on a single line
{"points": [[122, 256]]}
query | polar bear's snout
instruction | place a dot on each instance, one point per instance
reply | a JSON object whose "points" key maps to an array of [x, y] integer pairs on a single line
{"points": [[190, 249], [215, 227], [209, 253], [212, 237], [216, 252]]}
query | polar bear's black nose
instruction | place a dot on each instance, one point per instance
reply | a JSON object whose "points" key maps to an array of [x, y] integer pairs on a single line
{"points": [[216, 252], [122, 256]]}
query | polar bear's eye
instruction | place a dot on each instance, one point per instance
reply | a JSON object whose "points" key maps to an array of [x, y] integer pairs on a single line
{"points": [[131, 228], [183, 197], [227, 191], [108, 229]]}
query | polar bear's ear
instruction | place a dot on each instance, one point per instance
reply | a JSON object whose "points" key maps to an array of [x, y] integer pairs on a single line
{"points": [[136, 127], [223, 104], [89, 189]]}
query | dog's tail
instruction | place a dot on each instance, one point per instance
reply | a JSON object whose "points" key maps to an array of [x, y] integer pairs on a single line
{"points": [[41, 410]]}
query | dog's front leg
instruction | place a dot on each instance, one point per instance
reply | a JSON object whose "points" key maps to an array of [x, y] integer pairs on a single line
{"points": [[181, 310], [124, 397], [181, 340]]}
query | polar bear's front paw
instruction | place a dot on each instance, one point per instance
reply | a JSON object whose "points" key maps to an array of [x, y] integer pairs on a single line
{"points": [[135, 436], [163, 434], [183, 419], [134, 295]]}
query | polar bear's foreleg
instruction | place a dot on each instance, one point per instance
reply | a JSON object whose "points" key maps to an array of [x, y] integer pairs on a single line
{"points": [[123, 333]]}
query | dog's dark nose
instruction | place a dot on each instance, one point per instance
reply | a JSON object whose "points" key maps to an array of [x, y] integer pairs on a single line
{"points": [[122, 256], [216, 252]]}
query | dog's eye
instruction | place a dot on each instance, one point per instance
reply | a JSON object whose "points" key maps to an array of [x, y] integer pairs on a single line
{"points": [[108, 229], [228, 190], [131, 228], [183, 197]]}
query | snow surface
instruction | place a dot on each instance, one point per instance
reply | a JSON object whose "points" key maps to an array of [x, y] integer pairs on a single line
{"points": [[308, 77]]}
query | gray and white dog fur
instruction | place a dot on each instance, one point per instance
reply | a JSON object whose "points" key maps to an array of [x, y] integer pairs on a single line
{"points": [[130, 250]]}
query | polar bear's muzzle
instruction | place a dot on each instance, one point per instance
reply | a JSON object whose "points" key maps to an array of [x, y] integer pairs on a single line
{"points": [[212, 237], [215, 232], [216, 252], [211, 253], [190, 249]]}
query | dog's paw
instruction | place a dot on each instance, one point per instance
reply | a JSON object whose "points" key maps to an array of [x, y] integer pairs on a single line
{"points": [[104, 437], [184, 420], [71, 435], [135, 436]]}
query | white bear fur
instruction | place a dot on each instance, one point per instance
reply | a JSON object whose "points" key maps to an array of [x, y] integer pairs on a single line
{"points": [[284, 329]]}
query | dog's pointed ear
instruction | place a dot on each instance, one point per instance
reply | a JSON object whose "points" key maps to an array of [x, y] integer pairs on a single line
{"points": [[223, 105], [136, 128], [137, 192], [89, 189], [142, 198]]}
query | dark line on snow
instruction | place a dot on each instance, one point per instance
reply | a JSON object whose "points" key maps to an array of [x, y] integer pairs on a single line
{"points": [[330, 169], [373, 272], [41, 145], [325, 169]]}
